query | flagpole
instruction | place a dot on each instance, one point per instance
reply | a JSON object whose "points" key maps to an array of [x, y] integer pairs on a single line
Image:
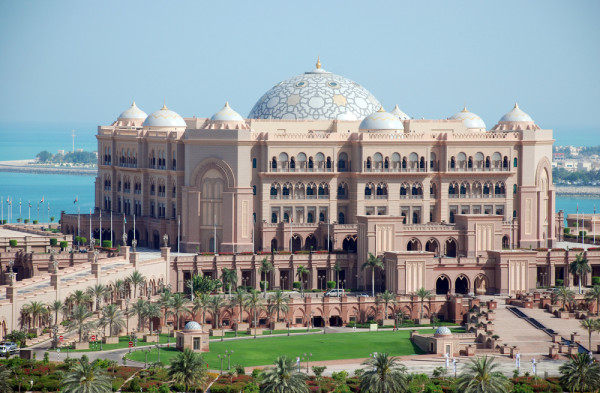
{"points": [[48, 213], [2, 200], [20, 216], [577, 222], [582, 229], [111, 229], [90, 238], [133, 226], [215, 237], [253, 223], [291, 230], [124, 221], [178, 232], [594, 225], [29, 211], [100, 226]]}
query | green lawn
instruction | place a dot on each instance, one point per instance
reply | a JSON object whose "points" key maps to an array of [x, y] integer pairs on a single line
{"points": [[259, 352], [229, 334], [123, 343]]}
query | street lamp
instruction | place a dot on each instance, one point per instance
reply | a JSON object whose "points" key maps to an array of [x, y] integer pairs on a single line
{"points": [[454, 363], [228, 354], [307, 357], [342, 282], [310, 322], [221, 357], [289, 321], [147, 351], [321, 282]]}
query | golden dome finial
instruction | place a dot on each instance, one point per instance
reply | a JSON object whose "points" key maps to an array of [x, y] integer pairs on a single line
{"points": [[465, 108], [516, 105], [226, 104], [164, 107], [381, 109], [133, 103], [318, 62]]}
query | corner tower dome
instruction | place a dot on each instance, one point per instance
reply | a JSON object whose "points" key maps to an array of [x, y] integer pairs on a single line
{"points": [[133, 113], [470, 119], [164, 118], [401, 115], [381, 120], [227, 114], [315, 95], [515, 120]]}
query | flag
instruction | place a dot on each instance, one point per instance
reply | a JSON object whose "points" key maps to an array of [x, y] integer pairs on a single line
{"points": [[42, 201], [76, 199], [124, 219], [30, 204], [19, 202]]}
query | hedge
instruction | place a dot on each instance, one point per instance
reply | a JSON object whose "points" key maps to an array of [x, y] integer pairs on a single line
{"points": [[64, 245], [560, 282], [263, 284], [330, 284], [106, 244], [13, 243], [296, 284], [53, 242], [595, 280]]}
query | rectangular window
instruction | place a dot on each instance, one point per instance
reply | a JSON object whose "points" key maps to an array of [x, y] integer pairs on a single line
{"points": [[196, 343], [488, 209]]}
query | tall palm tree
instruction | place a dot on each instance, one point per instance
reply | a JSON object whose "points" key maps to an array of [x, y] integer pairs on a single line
{"points": [[5, 374], [579, 267], [86, 377], [79, 297], [56, 307], [580, 374], [591, 325], [374, 263], [480, 377], [77, 319], [151, 311], [119, 288], [25, 316], [204, 303], [179, 305], [215, 305], [138, 308], [254, 303], [423, 294], [239, 300], [302, 271], [97, 292], [383, 374], [165, 302], [564, 295], [265, 267], [136, 279], [593, 294], [229, 278], [337, 268], [188, 369], [112, 317], [36, 309], [284, 377], [279, 302], [387, 298]]}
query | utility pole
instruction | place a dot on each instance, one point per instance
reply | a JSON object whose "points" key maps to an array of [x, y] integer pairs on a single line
{"points": [[73, 135]]}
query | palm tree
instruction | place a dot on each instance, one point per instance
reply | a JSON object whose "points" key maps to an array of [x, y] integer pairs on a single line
{"points": [[229, 278], [254, 303], [203, 302], [580, 374], [36, 309], [383, 374], [188, 369], [5, 374], [215, 305], [56, 307], [579, 267], [373, 262], [77, 319], [564, 295], [279, 302], [593, 294], [138, 308], [480, 376], [387, 298], [136, 279], [79, 297], [422, 294], [337, 268], [86, 378], [239, 300], [165, 302], [591, 325], [112, 317], [265, 267], [283, 378], [179, 305], [301, 272], [119, 288], [97, 292], [151, 311]]}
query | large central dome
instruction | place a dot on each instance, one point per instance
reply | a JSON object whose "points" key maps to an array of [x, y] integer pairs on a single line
{"points": [[315, 95]]}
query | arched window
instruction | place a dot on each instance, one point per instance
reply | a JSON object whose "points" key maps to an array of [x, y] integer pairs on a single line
{"points": [[368, 165], [515, 162], [342, 162], [328, 163], [369, 190], [341, 218], [274, 163], [486, 189], [432, 159], [452, 162], [461, 159], [299, 192], [286, 217], [403, 190], [311, 164], [414, 160], [320, 159], [275, 191], [321, 217], [283, 157], [301, 158], [382, 191], [342, 192], [310, 190], [323, 190], [417, 190], [292, 163], [273, 218], [396, 161], [286, 191], [479, 160], [496, 160], [514, 188], [310, 218], [253, 190], [377, 161]]}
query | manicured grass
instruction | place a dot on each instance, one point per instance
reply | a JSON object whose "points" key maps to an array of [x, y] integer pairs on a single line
{"points": [[259, 352], [229, 334], [123, 343]]}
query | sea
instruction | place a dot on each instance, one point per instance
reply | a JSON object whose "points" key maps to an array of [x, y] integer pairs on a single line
{"points": [[59, 192]]}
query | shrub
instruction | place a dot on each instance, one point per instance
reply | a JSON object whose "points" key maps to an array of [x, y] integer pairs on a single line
{"points": [[18, 220], [134, 385], [296, 284], [595, 280], [52, 219], [64, 245], [567, 231], [164, 388], [106, 243], [330, 284], [13, 243], [3, 222], [560, 282], [83, 239], [35, 221], [53, 242], [264, 284], [26, 221]]}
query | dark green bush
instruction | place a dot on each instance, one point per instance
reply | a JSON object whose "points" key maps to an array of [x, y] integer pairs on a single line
{"points": [[263, 284], [330, 284], [13, 243], [64, 245], [35, 221], [560, 282], [296, 284], [53, 242], [106, 243], [595, 280]]}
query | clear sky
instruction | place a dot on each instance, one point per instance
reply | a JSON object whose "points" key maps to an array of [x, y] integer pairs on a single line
{"points": [[84, 61]]}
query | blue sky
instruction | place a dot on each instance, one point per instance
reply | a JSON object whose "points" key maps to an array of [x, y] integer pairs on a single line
{"points": [[83, 62]]}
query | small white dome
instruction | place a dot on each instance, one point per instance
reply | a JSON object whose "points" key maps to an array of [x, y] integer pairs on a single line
{"points": [[133, 112], [192, 325], [401, 115], [164, 118], [470, 119], [443, 331], [227, 114], [348, 116], [516, 115], [381, 120]]}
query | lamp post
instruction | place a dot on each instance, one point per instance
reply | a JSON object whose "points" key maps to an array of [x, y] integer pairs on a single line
{"points": [[321, 282], [158, 348], [310, 322], [289, 321], [236, 325], [342, 282], [307, 357], [146, 352], [454, 363], [228, 354], [221, 358]]}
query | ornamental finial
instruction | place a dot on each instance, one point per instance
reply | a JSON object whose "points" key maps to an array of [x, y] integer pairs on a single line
{"points": [[318, 62]]}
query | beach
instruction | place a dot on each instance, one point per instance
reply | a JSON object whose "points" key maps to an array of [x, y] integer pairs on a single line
{"points": [[31, 166]]}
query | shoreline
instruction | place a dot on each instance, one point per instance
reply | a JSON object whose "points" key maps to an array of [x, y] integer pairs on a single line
{"points": [[573, 191], [29, 166]]}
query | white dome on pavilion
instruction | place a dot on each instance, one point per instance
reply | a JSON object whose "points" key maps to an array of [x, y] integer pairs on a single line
{"points": [[192, 325], [227, 114], [133, 113], [164, 118], [516, 114], [443, 331], [470, 119], [315, 95], [381, 120], [401, 115]]}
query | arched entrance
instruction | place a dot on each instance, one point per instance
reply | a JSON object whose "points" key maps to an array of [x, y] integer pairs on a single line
{"points": [[130, 236], [432, 246], [505, 243], [442, 285], [349, 243], [296, 242], [335, 320], [481, 285], [155, 240], [318, 321], [311, 243], [461, 285], [413, 245], [451, 248], [273, 245]]}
